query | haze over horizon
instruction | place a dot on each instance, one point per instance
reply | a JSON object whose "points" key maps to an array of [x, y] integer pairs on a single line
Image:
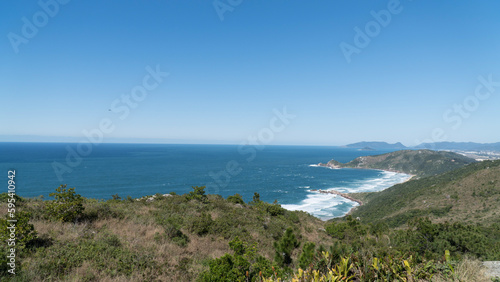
{"points": [[317, 73]]}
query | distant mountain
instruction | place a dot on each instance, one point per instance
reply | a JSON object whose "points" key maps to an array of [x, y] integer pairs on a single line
{"points": [[468, 194], [460, 146], [421, 163], [376, 145]]}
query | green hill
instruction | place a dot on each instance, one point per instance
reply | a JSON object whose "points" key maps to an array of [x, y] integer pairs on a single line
{"points": [[470, 194], [421, 163]]}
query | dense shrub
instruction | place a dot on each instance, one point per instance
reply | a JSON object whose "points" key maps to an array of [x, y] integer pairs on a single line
{"points": [[284, 248], [236, 198], [198, 193], [171, 226], [201, 225], [347, 229], [243, 265], [67, 206], [105, 254], [307, 255], [275, 209], [101, 210], [24, 231], [4, 197], [431, 240]]}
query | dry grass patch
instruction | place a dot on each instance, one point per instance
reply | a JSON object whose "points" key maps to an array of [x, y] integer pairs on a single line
{"points": [[131, 232], [63, 231], [468, 269]]}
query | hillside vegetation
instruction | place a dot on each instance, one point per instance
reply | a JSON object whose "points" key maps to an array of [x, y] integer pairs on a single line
{"points": [[198, 237], [470, 194], [160, 237], [421, 163]]}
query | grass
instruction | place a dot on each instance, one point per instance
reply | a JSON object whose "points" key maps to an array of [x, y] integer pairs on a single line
{"points": [[468, 269], [128, 240]]}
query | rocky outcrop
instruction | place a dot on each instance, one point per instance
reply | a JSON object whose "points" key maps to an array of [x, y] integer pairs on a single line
{"points": [[343, 195]]}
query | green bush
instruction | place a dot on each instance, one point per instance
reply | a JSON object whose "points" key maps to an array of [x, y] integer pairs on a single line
{"points": [[224, 226], [236, 199], [198, 193], [244, 265], [4, 197], [292, 216], [67, 206], [307, 255], [174, 234], [171, 226], [275, 209], [105, 254], [284, 248], [24, 230], [348, 229], [431, 240], [101, 210], [201, 225], [255, 199]]}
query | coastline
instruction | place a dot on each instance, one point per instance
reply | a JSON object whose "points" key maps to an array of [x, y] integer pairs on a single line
{"points": [[343, 195], [334, 166], [346, 195]]}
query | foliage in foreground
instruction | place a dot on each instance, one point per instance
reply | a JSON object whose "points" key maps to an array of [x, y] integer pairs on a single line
{"points": [[278, 244], [244, 265], [376, 253]]}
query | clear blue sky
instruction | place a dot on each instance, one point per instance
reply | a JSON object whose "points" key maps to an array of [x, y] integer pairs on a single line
{"points": [[226, 76]]}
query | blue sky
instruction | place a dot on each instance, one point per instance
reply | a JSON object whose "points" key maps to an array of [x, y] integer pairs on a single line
{"points": [[227, 77]]}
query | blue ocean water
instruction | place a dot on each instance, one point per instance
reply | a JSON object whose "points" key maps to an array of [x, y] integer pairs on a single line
{"points": [[283, 173]]}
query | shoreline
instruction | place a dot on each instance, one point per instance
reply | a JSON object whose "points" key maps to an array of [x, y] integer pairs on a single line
{"points": [[343, 195], [333, 166], [346, 195]]}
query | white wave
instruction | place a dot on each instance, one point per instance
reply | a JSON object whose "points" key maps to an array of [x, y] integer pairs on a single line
{"points": [[280, 191], [321, 205], [304, 187], [387, 179], [315, 165], [326, 206]]}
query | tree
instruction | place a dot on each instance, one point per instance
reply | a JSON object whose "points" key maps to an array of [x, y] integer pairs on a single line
{"points": [[67, 205], [256, 198], [198, 193], [307, 255], [284, 248]]}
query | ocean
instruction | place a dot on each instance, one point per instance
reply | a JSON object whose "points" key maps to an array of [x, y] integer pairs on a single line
{"points": [[283, 173]]}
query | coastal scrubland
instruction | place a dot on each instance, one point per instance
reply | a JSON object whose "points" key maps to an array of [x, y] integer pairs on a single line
{"points": [[470, 194]]}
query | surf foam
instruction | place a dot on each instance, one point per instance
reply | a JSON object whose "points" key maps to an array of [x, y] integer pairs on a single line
{"points": [[327, 206]]}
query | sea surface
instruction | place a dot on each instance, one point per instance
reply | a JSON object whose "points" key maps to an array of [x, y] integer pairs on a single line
{"points": [[283, 173]]}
